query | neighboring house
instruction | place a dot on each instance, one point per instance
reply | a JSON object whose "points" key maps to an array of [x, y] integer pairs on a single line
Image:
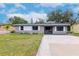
{"points": [[75, 28], [46, 28]]}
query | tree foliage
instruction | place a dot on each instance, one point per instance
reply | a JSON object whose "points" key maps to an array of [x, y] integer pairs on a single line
{"points": [[54, 16], [61, 17], [17, 20], [7, 27]]}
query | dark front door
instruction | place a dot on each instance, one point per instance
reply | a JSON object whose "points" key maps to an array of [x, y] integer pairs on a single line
{"points": [[48, 29]]}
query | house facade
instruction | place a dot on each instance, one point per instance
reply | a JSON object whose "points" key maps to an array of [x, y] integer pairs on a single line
{"points": [[46, 28]]}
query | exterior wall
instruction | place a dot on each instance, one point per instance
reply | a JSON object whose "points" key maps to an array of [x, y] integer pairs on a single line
{"points": [[60, 32], [28, 29], [75, 28], [16, 28], [41, 29]]}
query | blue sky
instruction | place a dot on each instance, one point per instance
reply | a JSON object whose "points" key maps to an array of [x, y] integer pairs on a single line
{"points": [[32, 10]]}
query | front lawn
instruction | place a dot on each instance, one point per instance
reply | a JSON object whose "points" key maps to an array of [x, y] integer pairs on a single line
{"points": [[19, 44], [75, 34]]}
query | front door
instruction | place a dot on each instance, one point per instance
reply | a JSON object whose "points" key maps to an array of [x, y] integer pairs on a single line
{"points": [[48, 29]]}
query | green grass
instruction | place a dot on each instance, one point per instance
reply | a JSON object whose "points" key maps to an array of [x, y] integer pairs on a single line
{"points": [[19, 44], [75, 34]]}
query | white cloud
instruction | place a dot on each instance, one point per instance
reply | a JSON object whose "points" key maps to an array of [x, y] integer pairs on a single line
{"points": [[20, 6], [19, 15], [33, 15], [53, 5], [2, 5], [38, 15], [12, 10], [76, 10], [3, 10]]}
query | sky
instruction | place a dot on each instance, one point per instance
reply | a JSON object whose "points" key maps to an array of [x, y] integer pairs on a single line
{"points": [[33, 11]]}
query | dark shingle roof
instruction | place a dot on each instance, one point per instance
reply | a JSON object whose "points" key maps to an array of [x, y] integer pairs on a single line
{"points": [[45, 24]]}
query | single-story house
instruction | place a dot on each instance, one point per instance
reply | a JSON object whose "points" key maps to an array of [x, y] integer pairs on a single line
{"points": [[46, 28]]}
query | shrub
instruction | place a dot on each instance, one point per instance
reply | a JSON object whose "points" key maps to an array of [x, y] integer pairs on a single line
{"points": [[12, 31]]}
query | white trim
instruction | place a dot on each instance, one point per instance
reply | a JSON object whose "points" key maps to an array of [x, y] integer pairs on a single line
{"points": [[60, 31], [39, 28], [19, 28], [64, 28], [55, 28]]}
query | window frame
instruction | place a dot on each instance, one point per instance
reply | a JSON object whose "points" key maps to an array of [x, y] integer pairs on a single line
{"points": [[21, 28], [60, 28], [34, 27]]}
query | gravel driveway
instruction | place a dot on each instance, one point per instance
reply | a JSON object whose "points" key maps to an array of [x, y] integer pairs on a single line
{"points": [[59, 45]]}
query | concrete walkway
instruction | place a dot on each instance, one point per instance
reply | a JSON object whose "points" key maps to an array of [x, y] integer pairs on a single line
{"points": [[59, 45]]}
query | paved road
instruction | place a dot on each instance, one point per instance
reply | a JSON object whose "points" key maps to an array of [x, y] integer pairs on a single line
{"points": [[59, 45]]}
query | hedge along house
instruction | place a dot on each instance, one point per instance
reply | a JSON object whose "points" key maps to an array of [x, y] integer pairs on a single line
{"points": [[46, 28]]}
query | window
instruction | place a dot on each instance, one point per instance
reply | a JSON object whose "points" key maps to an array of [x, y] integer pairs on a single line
{"points": [[35, 27], [22, 28], [59, 28]]}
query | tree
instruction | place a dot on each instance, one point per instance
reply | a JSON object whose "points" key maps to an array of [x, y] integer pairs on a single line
{"points": [[55, 16], [17, 20], [61, 17], [67, 16], [77, 18]]}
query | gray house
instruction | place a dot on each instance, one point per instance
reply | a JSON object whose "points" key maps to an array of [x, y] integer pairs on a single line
{"points": [[46, 28]]}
